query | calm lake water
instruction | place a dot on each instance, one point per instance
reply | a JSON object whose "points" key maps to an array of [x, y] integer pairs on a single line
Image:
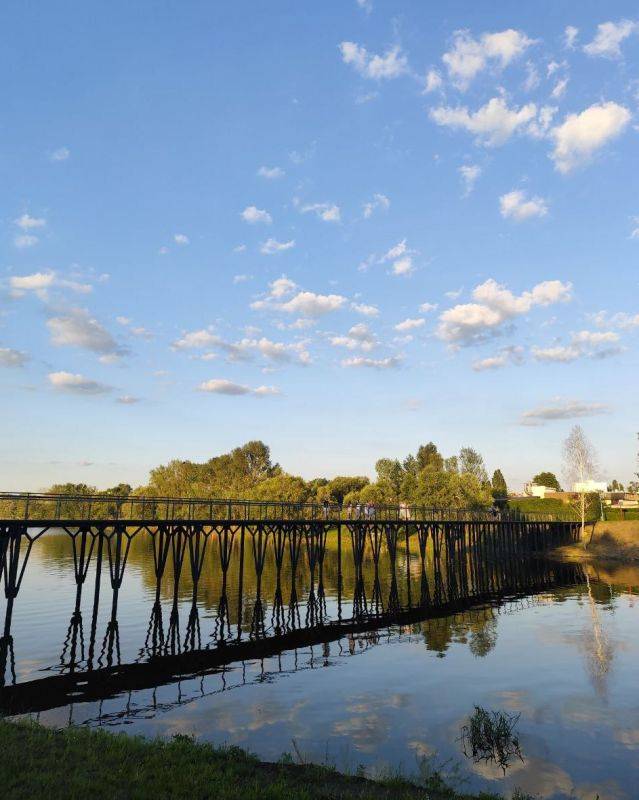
{"points": [[391, 697]]}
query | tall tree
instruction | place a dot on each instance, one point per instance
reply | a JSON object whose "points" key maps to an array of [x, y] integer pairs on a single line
{"points": [[390, 473], [548, 479], [428, 456], [498, 483], [472, 463], [580, 466]]}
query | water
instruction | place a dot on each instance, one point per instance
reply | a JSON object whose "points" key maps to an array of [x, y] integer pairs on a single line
{"points": [[383, 696]]}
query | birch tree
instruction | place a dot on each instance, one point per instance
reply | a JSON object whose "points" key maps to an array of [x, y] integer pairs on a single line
{"points": [[580, 465]]}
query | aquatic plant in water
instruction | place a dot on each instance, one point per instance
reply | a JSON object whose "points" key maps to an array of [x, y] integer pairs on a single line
{"points": [[490, 736]]}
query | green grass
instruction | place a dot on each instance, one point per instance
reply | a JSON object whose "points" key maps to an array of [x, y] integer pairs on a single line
{"points": [[78, 763]]}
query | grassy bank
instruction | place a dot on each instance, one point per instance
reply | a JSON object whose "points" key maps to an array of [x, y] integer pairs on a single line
{"points": [[36, 762], [614, 541]]}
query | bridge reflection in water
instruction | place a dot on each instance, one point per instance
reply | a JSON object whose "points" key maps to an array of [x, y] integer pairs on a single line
{"points": [[278, 586]]}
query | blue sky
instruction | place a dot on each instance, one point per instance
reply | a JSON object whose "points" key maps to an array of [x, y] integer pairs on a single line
{"points": [[344, 228]]}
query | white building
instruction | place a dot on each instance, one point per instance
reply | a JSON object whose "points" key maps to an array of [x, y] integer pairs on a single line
{"points": [[589, 486], [537, 490]]}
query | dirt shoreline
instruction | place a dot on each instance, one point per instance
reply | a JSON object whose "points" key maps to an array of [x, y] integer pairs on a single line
{"points": [[616, 542]]}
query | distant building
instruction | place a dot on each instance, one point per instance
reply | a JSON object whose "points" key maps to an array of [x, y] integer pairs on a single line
{"points": [[589, 486], [537, 490]]}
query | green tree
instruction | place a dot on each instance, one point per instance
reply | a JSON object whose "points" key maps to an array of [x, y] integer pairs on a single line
{"points": [[391, 474], [548, 479], [428, 456], [339, 487], [499, 488], [282, 488], [451, 464], [451, 490], [472, 463], [615, 486]]}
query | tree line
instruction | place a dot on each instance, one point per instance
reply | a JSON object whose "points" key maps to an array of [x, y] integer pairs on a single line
{"points": [[248, 472]]}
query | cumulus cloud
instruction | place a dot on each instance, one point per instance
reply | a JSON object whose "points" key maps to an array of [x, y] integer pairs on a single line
{"points": [[469, 56], [309, 304], [426, 307], [433, 81], [365, 310], [621, 320], [77, 328], [562, 409], [583, 344], [359, 337], [196, 340], [609, 37], [469, 174], [272, 246], [61, 154], [271, 173], [36, 282], [579, 137], [28, 223], [24, 240], [492, 124], [410, 325], [76, 384], [226, 387], [12, 358], [401, 257], [391, 362], [181, 238], [278, 352], [506, 356], [559, 89], [471, 323], [514, 205], [379, 201], [253, 215], [570, 36], [328, 212], [392, 64]]}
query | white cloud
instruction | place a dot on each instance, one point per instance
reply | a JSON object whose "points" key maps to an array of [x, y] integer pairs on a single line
{"points": [[162, 251], [12, 358], [559, 89], [493, 124], [359, 337], [426, 307], [365, 310], [36, 282], [324, 211], [278, 352], [24, 240], [392, 64], [240, 248], [309, 304], [469, 56], [61, 154], [253, 215], [580, 135], [608, 38], [621, 320], [392, 362], [410, 325], [532, 77], [506, 356], [181, 238], [379, 201], [271, 246], [588, 344], [76, 328], [570, 36], [469, 173], [280, 287], [271, 173], [514, 205], [196, 340], [127, 400], [562, 409], [472, 323], [433, 81], [226, 387], [241, 278], [403, 266], [76, 384], [366, 5], [27, 222]]}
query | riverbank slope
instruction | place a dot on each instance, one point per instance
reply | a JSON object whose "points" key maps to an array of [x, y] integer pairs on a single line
{"points": [[77, 763], [611, 541]]}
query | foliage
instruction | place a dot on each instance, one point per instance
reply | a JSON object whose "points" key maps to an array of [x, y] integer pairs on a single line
{"points": [[615, 486], [548, 479], [390, 473], [490, 736], [450, 490], [556, 507], [580, 465], [283, 488], [498, 484], [472, 463], [336, 489], [77, 763]]}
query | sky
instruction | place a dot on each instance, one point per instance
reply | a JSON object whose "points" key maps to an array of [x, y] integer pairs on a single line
{"points": [[344, 228]]}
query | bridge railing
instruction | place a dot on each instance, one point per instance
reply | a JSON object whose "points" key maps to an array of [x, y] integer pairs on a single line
{"points": [[42, 506]]}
